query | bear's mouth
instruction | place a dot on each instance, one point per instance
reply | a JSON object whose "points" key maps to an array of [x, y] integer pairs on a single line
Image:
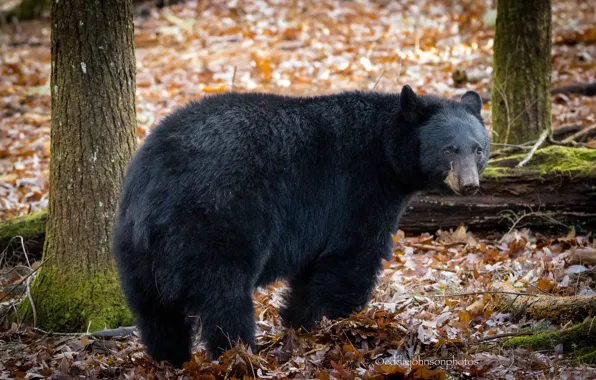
{"points": [[468, 185], [452, 181]]}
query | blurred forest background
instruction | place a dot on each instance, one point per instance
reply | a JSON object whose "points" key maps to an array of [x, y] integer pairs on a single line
{"points": [[503, 282]]}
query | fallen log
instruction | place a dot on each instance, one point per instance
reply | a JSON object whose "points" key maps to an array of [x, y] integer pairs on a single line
{"points": [[578, 339], [584, 89], [555, 190], [542, 306], [24, 232], [583, 256]]}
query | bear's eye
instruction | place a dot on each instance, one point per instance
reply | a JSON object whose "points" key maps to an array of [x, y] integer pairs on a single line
{"points": [[448, 151], [479, 151]]}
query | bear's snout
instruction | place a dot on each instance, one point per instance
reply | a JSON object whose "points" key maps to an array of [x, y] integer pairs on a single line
{"points": [[463, 177]]}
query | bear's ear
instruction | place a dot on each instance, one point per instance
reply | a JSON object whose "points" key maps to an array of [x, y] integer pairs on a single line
{"points": [[472, 100], [407, 104]]}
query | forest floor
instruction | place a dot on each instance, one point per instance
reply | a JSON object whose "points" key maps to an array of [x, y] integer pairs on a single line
{"points": [[422, 308], [434, 315]]}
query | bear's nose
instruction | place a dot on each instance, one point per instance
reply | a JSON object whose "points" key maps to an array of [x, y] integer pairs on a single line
{"points": [[469, 189]]}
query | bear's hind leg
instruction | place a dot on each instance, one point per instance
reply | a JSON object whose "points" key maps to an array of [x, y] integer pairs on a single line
{"points": [[226, 319], [336, 285], [298, 309], [166, 336]]}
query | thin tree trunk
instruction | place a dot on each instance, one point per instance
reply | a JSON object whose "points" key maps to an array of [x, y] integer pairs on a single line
{"points": [[521, 107], [93, 139]]}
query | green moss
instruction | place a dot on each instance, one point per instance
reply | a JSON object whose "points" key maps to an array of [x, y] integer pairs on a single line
{"points": [[581, 335], [586, 357], [495, 172], [574, 162], [73, 302], [31, 225]]}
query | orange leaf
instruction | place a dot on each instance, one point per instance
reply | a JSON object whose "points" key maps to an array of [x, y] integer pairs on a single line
{"points": [[465, 317], [215, 89], [545, 284]]}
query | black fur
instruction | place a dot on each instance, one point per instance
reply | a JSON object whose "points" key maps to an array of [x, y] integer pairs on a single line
{"points": [[238, 190]]}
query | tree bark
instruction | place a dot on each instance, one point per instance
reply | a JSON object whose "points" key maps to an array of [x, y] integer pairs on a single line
{"points": [[522, 71], [93, 139]]}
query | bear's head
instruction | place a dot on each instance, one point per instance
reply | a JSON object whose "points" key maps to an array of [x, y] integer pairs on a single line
{"points": [[454, 145]]}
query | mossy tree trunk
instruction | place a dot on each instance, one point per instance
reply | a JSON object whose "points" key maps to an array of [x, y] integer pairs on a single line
{"points": [[522, 71], [93, 139]]}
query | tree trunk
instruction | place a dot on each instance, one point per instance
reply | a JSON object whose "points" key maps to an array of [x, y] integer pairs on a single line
{"points": [[93, 139], [522, 71]]}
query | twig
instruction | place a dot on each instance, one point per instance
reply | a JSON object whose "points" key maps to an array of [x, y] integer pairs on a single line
{"points": [[538, 214], [33, 309], [57, 333], [509, 150], [524, 110], [109, 333], [506, 335], [520, 146], [233, 79], [24, 251], [506, 103], [579, 134], [379, 79], [569, 128], [537, 145], [571, 144], [429, 247], [4, 254], [443, 269], [479, 293], [26, 277]]}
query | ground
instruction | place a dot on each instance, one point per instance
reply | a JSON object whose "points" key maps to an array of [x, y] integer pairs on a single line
{"points": [[430, 305], [186, 52]]}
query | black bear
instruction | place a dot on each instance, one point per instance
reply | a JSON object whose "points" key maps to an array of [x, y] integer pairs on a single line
{"points": [[238, 190]]}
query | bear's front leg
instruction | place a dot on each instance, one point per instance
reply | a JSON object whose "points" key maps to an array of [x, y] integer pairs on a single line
{"points": [[336, 285]]}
